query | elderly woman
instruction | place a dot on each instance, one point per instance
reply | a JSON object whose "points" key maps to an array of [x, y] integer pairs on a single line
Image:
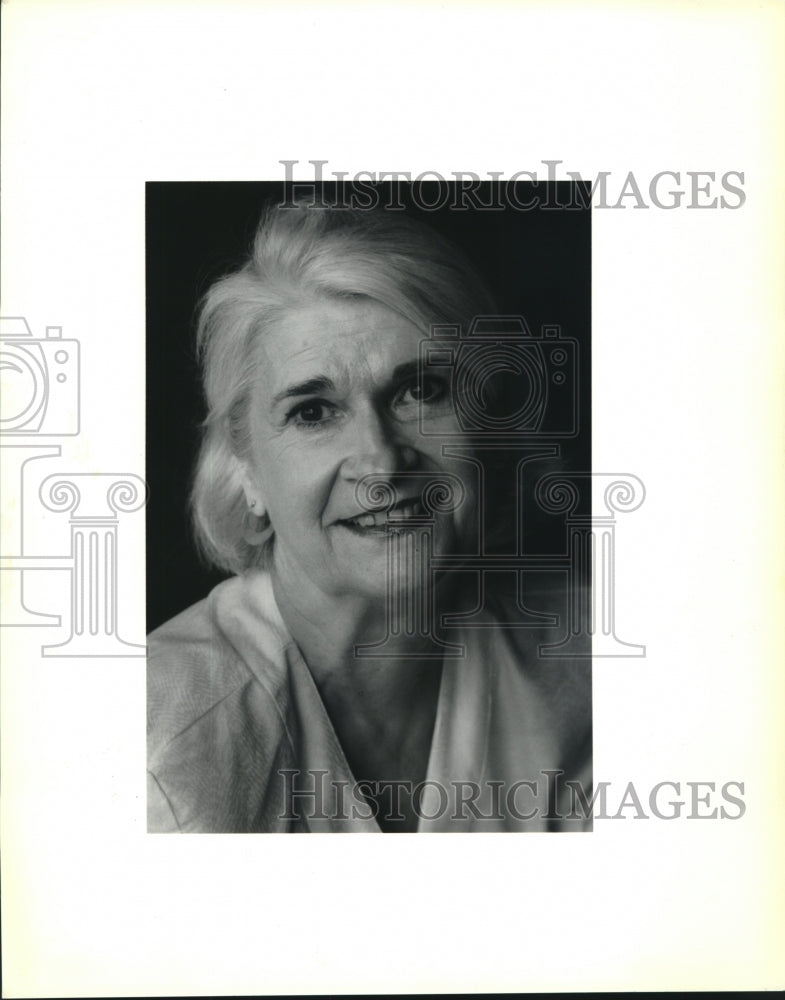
{"points": [[299, 696]]}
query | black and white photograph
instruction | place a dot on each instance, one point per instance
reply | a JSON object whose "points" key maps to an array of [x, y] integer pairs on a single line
{"points": [[402, 644], [391, 436]]}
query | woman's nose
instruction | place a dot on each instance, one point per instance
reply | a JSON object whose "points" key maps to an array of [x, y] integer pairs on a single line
{"points": [[377, 446]]}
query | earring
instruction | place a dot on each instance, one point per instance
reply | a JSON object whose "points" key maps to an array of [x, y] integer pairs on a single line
{"points": [[256, 529]]}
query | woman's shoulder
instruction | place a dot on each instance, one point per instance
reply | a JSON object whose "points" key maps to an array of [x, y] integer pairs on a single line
{"points": [[204, 654], [238, 606], [217, 712]]}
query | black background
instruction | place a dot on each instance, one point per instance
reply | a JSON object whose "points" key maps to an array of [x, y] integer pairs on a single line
{"points": [[537, 263]]}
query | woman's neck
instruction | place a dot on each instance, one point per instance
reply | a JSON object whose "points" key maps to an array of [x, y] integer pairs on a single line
{"points": [[383, 708], [329, 629]]}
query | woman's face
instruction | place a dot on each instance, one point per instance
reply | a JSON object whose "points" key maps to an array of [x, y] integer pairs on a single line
{"points": [[336, 398]]}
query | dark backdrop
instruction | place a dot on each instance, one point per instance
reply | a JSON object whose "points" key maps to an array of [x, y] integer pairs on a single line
{"points": [[537, 262]]}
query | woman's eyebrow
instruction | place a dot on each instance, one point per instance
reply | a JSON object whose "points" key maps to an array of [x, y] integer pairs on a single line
{"points": [[322, 383], [406, 370], [319, 383]]}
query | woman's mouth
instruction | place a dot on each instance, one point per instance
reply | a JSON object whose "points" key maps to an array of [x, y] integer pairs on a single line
{"points": [[379, 521]]}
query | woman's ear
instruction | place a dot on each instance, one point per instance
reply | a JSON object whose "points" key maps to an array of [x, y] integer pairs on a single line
{"points": [[253, 495]]}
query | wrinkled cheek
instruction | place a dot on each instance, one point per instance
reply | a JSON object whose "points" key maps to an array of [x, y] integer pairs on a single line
{"points": [[468, 530]]}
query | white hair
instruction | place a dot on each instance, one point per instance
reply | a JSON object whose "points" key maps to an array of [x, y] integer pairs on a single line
{"points": [[300, 254]]}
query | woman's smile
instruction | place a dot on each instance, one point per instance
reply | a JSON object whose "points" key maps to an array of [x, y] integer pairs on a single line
{"points": [[382, 521]]}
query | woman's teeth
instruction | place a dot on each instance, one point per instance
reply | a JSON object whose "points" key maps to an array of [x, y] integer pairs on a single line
{"points": [[381, 518]]}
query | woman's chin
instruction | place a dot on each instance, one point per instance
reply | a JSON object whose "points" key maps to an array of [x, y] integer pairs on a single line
{"points": [[382, 584]]}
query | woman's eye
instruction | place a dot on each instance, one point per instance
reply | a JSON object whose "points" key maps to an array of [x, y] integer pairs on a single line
{"points": [[314, 413], [426, 390]]}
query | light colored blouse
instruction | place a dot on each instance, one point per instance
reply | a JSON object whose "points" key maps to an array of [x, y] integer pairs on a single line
{"points": [[239, 740]]}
